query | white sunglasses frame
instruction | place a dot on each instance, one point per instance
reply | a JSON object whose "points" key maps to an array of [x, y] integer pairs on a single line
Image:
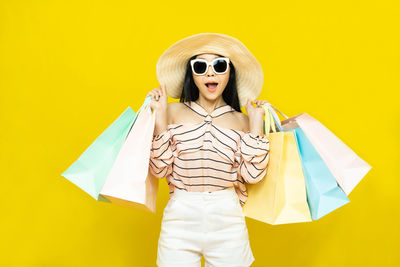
{"points": [[209, 64]]}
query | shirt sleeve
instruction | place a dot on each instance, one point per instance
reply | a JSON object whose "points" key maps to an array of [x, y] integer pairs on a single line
{"points": [[161, 156], [254, 157]]}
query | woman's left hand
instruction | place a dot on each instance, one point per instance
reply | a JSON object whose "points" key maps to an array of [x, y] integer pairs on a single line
{"points": [[255, 115], [255, 112]]}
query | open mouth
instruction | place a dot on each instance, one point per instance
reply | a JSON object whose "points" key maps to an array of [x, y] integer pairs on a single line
{"points": [[211, 85]]}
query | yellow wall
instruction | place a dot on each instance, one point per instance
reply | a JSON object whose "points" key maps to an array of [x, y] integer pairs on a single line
{"points": [[68, 69]]}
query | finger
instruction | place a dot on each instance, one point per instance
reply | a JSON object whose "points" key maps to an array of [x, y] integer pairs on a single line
{"points": [[156, 93], [164, 89], [153, 94], [161, 89], [261, 102], [250, 104], [163, 93]]}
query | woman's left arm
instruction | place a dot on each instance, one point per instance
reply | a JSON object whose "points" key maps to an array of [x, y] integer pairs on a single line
{"points": [[254, 146]]}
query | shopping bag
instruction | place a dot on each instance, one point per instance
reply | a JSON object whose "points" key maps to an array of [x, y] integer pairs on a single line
{"points": [[129, 182], [345, 165], [90, 170], [280, 197], [323, 193]]}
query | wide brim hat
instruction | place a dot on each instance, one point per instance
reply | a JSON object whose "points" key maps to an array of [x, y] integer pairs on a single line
{"points": [[171, 66]]}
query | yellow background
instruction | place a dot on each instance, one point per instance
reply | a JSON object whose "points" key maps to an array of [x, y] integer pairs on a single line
{"points": [[68, 69]]}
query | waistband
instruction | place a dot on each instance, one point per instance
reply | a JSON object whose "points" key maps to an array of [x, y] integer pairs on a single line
{"points": [[228, 192]]}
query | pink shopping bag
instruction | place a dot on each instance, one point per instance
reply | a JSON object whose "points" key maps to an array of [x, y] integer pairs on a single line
{"points": [[345, 165], [129, 182]]}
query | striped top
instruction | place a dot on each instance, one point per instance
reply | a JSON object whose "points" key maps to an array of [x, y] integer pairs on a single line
{"points": [[205, 157]]}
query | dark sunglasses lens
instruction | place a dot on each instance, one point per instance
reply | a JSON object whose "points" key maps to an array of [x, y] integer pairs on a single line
{"points": [[199, 67], [220, 65]]}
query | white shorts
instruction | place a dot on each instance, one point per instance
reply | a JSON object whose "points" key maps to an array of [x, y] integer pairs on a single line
{"points": [[209, 224]]}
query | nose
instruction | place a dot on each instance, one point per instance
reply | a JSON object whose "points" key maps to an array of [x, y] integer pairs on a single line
{"points": [[210, 71]]}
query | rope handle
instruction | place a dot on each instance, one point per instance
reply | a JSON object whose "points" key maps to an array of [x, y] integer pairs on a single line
{"points": [[271, 119]]}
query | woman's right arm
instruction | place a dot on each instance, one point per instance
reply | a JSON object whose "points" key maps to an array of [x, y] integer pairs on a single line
{"points": [[161, 156]]}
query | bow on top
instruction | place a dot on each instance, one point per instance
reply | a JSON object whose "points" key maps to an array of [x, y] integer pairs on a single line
{"points": [[206, 135]]}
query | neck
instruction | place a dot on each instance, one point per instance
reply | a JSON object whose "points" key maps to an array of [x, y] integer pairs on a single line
{"points": [[210, 105]]}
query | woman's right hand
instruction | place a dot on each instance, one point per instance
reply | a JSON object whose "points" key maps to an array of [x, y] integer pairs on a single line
{"points": [[159, 103]]}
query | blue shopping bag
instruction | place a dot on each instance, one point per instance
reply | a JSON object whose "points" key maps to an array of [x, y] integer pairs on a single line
{"points": [[89, 172], [324, 195]]}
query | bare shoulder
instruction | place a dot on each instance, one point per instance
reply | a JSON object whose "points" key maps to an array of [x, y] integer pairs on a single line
{"points": [[242, 120], [174, 108]]}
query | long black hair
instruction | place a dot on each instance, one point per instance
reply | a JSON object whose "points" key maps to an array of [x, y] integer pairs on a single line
{"points": [[190, 91]]}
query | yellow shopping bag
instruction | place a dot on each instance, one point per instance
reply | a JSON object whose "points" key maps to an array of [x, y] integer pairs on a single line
{"points": [[280, 197]]}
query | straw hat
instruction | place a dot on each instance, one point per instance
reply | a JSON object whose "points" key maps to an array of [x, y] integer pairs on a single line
{"points": [[171, 66]]}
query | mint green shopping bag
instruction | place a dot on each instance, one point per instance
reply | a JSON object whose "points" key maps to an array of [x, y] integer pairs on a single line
{"points": [[89, 172]]}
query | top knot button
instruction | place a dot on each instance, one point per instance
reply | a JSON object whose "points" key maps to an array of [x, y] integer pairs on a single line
{"points": [[208, 118]]}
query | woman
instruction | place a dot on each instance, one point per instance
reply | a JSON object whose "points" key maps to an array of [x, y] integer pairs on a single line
{"points": [[207, 149]]}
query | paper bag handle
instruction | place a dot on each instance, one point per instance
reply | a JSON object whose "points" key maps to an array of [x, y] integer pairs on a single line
{"points": [[144, 105], [269, 121], [271, 118]]}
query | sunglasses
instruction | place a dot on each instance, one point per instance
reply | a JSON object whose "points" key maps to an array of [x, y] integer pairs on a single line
{"points": [[200, 66]]}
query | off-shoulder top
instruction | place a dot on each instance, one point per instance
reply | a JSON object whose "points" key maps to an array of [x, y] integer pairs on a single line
{"points": [[205, 157]]}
